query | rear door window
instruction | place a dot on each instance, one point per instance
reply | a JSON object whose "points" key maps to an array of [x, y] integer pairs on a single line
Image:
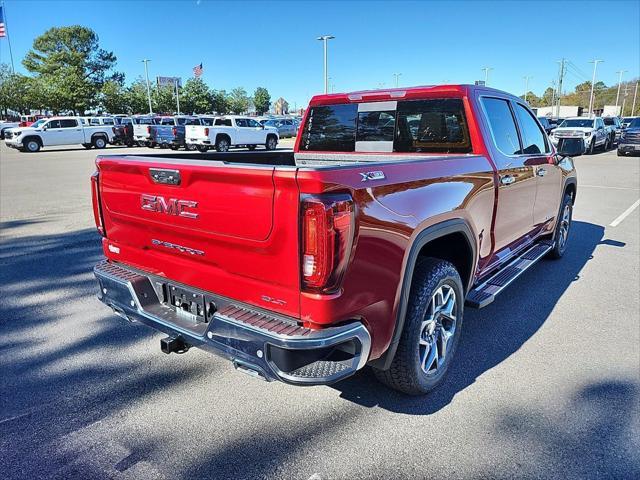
{"points": [[502, 125], [223, 122], [68, 123], [241, 122]]}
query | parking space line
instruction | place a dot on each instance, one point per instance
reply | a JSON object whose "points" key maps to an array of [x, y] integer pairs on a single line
{"points": [[625, 214], [605, 187]]}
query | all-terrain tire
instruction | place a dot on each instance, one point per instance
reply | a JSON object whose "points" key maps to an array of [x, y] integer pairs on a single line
{"points": [[405, 373]]}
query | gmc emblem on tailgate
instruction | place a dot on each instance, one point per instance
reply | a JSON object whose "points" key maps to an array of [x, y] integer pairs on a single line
{"points": [[170, 206]]}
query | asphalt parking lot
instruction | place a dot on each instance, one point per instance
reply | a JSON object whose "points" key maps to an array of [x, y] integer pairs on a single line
{"points": [[545, 384]]}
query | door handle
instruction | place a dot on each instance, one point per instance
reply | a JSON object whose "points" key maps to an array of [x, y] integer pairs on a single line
{"points": [[541, 172], [507, 179]]}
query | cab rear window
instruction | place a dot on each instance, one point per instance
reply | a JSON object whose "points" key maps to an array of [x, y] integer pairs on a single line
{"points": [[432, 126]]}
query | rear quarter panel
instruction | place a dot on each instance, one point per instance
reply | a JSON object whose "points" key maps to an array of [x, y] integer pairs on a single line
{"points": [[390, 214]]}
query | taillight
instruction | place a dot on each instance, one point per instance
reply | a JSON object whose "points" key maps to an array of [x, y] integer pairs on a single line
{"points": [[174, 131], [327, 238], [206, 131], [149, 130], [113, 129], [97, 207]]}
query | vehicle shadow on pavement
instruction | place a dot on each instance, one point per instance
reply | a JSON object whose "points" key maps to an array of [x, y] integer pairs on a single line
{"points": [[62, 355], [593, 436], [492, 334]]}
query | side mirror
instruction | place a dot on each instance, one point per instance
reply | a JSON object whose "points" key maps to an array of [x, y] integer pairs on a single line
{"points": [[571, 147], [44, 127]]}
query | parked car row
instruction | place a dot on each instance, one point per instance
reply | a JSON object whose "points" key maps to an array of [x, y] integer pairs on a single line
{"points": [[179, 131]]}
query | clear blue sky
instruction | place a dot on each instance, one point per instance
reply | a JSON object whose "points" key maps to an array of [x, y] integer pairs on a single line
{"points": [[274, 45]]}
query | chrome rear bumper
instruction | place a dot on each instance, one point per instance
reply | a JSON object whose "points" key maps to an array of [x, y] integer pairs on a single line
{"points": [[261, 343]]}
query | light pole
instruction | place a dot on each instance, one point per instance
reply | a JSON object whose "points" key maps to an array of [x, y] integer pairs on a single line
{"points": [[593, 82], [325, 39], [526, 86], [486, 74], [621, 72], [146, 73], [397, 76], [635, 94]]}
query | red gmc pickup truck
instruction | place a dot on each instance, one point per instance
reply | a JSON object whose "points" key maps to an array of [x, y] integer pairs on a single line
{"points": [[361, 247]]}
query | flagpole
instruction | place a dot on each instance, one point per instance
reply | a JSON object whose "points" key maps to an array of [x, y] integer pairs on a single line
{"points": [[6, 29]]}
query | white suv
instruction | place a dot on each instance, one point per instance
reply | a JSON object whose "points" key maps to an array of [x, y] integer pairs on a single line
{"points": [[231, 131], [590, 129]]}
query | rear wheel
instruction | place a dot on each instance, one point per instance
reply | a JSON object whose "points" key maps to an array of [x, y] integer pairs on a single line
{"points": [[561, 234], [592, 147], [190, 147], [620, 153], [222, 144], [431, 329], [99, 142]]}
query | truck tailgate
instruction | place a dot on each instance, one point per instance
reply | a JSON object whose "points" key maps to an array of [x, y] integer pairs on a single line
{"points": [[228, 229], [195, 132]]}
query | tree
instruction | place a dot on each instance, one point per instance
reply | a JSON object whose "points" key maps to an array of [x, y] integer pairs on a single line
{"points": [[71, 62], [220, 101], [238, 100], [136, 97], [15, 90], [196, 97], [113, 97], [163, 98], [547, 97], [261, 100], [532, 99]]}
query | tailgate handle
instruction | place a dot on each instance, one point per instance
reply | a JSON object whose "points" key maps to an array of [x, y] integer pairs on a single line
{"points": [[165, 176]]}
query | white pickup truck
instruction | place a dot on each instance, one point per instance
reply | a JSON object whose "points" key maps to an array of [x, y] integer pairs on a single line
{"points": [[231, 131], [142, 130], [58, 131]]}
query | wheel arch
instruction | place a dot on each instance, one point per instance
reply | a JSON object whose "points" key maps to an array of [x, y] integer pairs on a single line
{"points": [[223, 135], [441, 240], [100, 134], [37, 138]]}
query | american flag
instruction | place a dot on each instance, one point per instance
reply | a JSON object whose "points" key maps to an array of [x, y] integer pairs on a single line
{"points": [[197, 70], [3, 30]]}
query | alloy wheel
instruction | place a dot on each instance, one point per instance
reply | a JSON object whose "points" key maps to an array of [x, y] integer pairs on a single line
{"points": [[563, 231], [437, 330]]}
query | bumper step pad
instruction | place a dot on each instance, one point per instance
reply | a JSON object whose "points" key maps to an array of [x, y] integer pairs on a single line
{"points": [[486, 292]]}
